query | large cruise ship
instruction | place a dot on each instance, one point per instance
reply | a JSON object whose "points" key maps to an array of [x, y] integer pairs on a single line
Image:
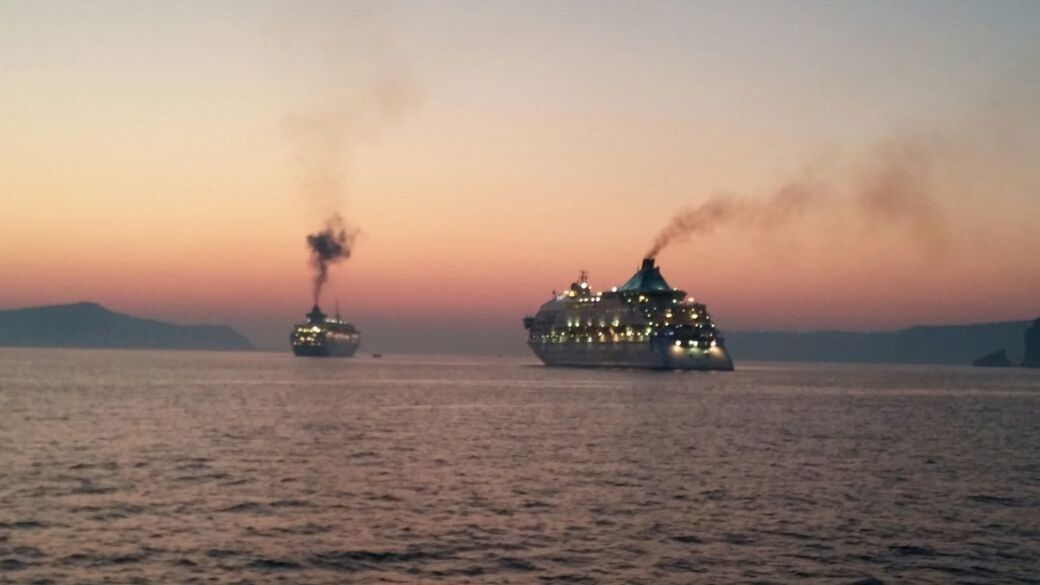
{"points": [[644, 323], [320, 336]]}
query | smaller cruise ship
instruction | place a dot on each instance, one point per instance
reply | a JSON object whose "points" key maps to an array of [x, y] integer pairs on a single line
{"points": [[320, 336]]}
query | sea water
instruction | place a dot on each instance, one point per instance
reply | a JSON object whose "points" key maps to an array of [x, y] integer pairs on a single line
{"points": [[184, 467]]}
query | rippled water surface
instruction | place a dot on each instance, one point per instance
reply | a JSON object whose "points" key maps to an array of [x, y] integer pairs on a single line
{"points": [[180, 467]]}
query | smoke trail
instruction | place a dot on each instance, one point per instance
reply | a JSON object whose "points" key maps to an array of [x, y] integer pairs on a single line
{"points": [[347, 83], [898, 191], [893, 190], [323, 140], [788, 202], [333, 244]]}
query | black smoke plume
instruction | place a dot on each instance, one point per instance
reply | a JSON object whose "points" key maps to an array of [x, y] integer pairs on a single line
{"points": [[893, 190], [348, 82], [788, 202], [329, 246]]}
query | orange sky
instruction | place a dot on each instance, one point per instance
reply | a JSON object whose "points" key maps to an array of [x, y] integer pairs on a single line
{"points": [[488, 154]]}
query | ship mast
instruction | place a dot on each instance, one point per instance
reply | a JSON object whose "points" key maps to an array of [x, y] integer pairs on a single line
{"points": [[581, 287]]}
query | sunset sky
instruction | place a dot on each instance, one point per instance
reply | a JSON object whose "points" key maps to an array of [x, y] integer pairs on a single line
{"points": [[167, 159]]}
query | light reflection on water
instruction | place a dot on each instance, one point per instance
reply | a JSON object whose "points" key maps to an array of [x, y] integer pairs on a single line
{"points": [[207, 467]]}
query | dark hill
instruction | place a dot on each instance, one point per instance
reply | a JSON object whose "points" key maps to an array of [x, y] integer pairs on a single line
{"points": [[91, 325], [1032, 343], [923, 344]]}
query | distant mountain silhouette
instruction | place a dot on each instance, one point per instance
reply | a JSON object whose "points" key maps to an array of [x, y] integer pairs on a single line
{"points": [[1032, 343], [997, 359], [91, 325], [923, 344]]}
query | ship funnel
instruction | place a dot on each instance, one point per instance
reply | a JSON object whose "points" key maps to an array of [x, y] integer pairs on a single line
{"points": [[648, 278], [316, 316]]}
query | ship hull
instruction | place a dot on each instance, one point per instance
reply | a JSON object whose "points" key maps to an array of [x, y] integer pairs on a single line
{"points": [[650, 355], [326, 350]]}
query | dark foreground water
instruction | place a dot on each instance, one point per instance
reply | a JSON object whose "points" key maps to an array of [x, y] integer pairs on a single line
{"points": [[140, 467]]}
